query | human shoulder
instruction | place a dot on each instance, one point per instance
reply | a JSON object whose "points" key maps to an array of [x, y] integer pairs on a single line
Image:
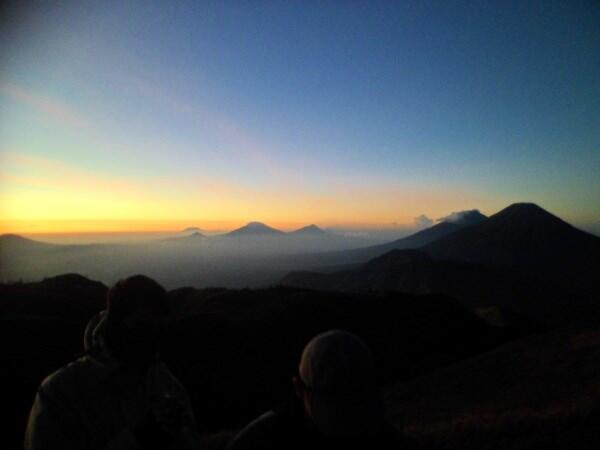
{"points": [[260, 431], [69, 380]]}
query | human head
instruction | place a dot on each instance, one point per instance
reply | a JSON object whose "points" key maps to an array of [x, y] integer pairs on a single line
{"points": [[336, 383], [136, 309]]}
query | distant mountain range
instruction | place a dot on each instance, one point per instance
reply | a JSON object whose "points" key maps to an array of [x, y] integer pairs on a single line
{"points": [[254, 229], [416, 240], [478, 259], [521, 257]]}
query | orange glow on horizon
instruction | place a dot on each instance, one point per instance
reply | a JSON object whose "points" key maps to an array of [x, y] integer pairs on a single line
{"points": [[63, 227], [41, 195]]}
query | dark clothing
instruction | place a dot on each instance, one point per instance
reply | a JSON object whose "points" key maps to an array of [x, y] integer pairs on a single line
{"points": [[95, 403], [287, 428]]}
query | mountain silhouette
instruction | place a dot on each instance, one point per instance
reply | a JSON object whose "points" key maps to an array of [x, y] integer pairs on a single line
{"points": [[255, 229], [416, 240], [193, 237], [525, 237], [523, 258], [308, 231], [192, 230], [15, 241], [469, 217], [424, 237], [412, 271]]}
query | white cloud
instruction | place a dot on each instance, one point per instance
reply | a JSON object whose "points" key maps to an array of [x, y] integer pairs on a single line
{"points": [[423, 221]]}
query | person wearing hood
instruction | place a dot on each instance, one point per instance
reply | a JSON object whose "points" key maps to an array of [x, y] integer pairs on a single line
{"points": [[335, 403], [118, 395]]}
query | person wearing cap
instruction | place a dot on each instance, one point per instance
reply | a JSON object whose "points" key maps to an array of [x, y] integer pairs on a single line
{"points": [[335, 404], [118, 395]]}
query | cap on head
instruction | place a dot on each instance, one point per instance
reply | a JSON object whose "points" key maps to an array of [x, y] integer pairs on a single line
{"points": [[340, 394], [337, 363], [134, 294]]}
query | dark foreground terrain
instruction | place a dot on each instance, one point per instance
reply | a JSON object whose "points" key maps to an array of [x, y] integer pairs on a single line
{"points": [[452, 378]]}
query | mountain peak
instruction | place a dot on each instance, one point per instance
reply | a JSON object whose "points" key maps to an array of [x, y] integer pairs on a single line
{"points": [[311, 229], [525, 207], [529, 213], [255, 229], [257, 226], [468, 217]]}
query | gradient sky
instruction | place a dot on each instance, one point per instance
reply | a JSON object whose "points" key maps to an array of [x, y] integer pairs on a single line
{"points": [[154, 115]]}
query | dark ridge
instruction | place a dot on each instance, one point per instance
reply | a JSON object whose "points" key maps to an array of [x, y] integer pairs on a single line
{"points": [[17, 242]]}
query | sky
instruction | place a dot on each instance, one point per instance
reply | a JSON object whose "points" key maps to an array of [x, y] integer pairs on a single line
{"points": [[133, 116]]}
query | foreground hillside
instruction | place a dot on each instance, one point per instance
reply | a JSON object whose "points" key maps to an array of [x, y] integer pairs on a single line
{"points": [[235, 350], [542, 391]]}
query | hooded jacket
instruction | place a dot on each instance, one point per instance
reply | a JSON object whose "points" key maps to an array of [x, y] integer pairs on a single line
{"points": [[95, 402]]}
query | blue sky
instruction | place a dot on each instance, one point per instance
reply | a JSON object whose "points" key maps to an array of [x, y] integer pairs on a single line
{"points": [[329, 112]]}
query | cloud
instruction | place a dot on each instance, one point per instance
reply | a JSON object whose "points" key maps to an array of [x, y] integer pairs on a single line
{"points": [[423, 221], [50, 106], [461, 216]]}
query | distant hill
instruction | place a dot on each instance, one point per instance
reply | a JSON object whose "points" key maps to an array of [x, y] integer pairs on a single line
{"points": [[398, 270], [9, 242], [308, 231], [475, 285], [416, 240], [254, 229]]}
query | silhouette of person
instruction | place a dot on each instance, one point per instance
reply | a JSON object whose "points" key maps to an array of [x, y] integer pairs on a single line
{"points": [[335, 404], [118, 395]]}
